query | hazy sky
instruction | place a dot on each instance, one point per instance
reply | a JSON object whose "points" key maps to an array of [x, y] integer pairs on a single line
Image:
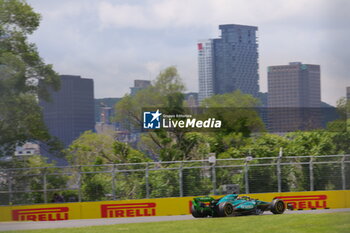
{"points": [[117, 41]]}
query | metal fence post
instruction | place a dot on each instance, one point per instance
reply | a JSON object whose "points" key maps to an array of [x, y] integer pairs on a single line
{"points": [[246, 178], [79, 184], [214, 178], [311, 169], [343, 177], [147, 182], [279, 182], [113, 183], [181, 180], [45, 186], [9, 180]]}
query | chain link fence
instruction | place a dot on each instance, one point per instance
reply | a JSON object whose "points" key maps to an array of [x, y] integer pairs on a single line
{"points": [[174, 179]]}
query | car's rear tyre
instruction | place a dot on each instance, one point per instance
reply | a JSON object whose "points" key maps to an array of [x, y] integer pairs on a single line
{"points": [[226, 210], [198, 214], [277, 206]]}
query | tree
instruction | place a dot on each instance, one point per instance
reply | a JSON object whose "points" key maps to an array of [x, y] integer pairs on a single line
{"points": [[160, 94], [236, 111], [91, 148], [97, 149], [166, 93], [238, 116], [340, 128], [24, 78], [27, 180], [343, 108]]}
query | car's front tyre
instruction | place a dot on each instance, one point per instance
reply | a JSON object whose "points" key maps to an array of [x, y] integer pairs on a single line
{"points": [[277, 206]]}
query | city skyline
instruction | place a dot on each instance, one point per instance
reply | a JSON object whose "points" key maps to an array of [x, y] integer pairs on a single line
{"points": [[105, 40]]}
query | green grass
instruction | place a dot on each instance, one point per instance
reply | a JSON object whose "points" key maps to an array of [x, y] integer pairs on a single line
{"points": [[327, 223]]}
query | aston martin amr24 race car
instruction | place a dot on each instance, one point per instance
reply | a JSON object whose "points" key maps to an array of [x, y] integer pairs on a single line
{"points": [[234, 205]]}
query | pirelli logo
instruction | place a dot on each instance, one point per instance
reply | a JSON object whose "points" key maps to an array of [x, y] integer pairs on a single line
{"points": [[128, 210], [41, 214], [306, 202]]}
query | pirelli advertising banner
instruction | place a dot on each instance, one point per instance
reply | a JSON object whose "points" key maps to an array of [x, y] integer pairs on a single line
{"points": [[159, 207]]}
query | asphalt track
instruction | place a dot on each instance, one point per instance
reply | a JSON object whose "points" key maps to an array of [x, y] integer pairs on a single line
{"points": [[15, 226]]}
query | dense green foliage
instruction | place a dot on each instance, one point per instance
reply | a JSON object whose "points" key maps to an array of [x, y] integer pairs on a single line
{"points": [[21, 70], [166, 93], [32, 179], [92, 148]]}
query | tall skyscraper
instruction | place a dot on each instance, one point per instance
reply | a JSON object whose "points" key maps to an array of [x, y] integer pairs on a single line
{"points": [[294, 85], [229, 63], [71, 109], [294, 97], [348, 93], [205, 69]]}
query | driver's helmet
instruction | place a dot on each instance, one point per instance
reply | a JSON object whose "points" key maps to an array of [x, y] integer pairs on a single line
{"points": [[243, 198]]}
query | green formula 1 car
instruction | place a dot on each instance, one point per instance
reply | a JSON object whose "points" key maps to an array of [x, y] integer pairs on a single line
{"points": [[234, 205]]}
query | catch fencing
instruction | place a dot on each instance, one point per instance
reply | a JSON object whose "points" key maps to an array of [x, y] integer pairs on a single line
{"points": [[174, 179]]}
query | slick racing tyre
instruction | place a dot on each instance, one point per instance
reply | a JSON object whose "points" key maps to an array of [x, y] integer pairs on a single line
{"points": [[226, 210], [198, 214], [277, 206]]}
